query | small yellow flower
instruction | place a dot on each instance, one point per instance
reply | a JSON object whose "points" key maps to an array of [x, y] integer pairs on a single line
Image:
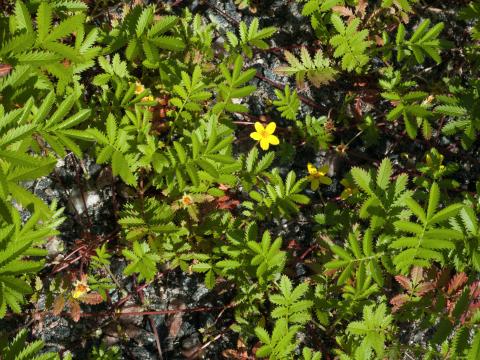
{"points": [[265, 135], [187, 200], [350, 189], [139, 88], [147, 98], [318, 176], [81, 288]]}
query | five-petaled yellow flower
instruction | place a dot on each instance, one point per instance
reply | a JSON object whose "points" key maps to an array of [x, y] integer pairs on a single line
{"points": [[139, 88], [265, 135], [318, 176], [81, 288]]}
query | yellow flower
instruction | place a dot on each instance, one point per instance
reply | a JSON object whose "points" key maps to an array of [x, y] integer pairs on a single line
{"points": [[147, 98], [187, 200], [265, 135], [350, 189], [81, 288], [139, 88], [318, 176]]}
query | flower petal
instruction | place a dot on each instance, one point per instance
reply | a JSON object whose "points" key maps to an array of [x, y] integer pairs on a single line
{"points": [[255, 136], [325, 180], [272, 139], [264, 144], [323, 169], [312, 170], [270, 129], [259, 127]]}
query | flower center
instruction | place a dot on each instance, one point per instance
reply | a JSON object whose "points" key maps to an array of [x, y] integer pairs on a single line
{"points": [[264, 134], [187, 200]]}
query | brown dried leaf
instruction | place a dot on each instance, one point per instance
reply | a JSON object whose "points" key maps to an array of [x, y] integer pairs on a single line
{"points": [[92, 298], [58, 305], [175, 325], [361, 8], [378, 40], [343, 10], [240, 353], [357, 109], [176, 320], [75, 310]]}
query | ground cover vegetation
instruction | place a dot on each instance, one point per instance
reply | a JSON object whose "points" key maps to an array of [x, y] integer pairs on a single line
{"points": [[317, 183]]}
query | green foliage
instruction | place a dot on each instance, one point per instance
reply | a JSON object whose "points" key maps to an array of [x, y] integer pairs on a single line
{"points": [[289, 304], [156, 96], [467, 223], [114, 147], [404, 5], [191, 94], [20, 254], [317, 70], [318, 11], [105, 353], [232, 87], [463, 111], [428, 240], [253, 167], [364, 260], [35, 53], [203, 158], [412, 106], [142, 261], [308, 354], [58, 129], [316, 130], [250, 37], [19, 349], [424, 42], [288, 103], [246, 255], [385, 199], [268, 256], [280, 344], [116, 84], [373, 330], [145, 37], [350, 44], [278, 197]]}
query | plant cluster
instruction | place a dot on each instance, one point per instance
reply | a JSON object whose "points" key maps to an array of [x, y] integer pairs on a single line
{"points": [[199, 185]]}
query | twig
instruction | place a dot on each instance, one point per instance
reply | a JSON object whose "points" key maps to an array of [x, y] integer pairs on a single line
{"points": [[128, 313]]}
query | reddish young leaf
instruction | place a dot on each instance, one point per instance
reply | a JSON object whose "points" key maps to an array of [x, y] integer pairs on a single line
{"points": [[227, 203], [5, 69], [416, 275], [404, 282], [424, 288], [398, 301], [457, 282]]}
